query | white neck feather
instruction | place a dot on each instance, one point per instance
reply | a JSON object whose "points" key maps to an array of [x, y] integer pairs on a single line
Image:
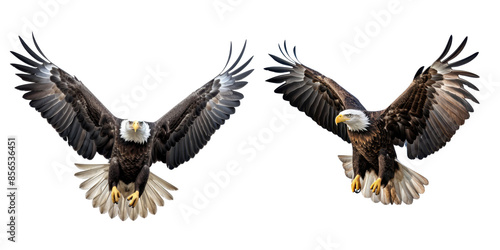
{"points": [[128, 134]]}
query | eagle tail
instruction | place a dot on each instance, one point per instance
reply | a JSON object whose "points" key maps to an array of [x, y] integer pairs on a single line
{"points": [[96, 184], [406, 185]]}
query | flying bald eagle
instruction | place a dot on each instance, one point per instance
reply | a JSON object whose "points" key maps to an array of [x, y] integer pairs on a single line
{"points": [[423, 118], [131, 146]]}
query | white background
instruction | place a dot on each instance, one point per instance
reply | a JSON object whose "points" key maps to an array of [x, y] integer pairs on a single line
{"points": [[290, 191]]}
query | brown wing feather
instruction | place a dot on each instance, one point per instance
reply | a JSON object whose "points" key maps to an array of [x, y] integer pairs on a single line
{"points": [[318, 96], [72, 110], [431, 110], [184, 130]]}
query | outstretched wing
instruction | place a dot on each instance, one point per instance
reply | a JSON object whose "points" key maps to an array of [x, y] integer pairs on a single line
{"points": [[428, 113], [72, 110], [318, 96], [187, 128]]}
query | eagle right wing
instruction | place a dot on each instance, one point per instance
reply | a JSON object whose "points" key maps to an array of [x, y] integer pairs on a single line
{"points": [[185, 129], [318, 96], [72, 110], [430, 111]]}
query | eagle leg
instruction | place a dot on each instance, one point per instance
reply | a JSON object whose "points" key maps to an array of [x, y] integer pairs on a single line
{"points": [[115, 195], [113, 178], [133, 198], [140, 185], [356, 184], [375, 187], [386, 168]]}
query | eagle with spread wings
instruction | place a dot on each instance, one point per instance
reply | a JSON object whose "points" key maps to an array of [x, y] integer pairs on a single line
{"points": [[125, 186], [423, 118]]}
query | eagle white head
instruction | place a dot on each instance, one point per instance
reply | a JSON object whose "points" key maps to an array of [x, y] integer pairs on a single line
{"points": [[135, 131], [356, 120]]}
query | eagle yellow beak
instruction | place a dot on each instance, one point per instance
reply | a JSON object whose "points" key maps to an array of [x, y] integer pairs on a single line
{"points": [[135, 125], [340, 118]]}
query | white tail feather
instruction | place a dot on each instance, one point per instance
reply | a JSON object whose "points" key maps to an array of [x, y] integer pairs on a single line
{"points": [[406, 185], [96, 184]]}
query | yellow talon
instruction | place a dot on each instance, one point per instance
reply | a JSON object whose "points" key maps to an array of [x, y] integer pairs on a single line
{"points": [[356, 184], [115, 195], [133, 198], [376, 186]]}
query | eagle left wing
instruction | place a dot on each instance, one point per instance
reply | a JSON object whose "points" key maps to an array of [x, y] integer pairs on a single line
{"points": [[318, 96], [184, 130], [431, 110], [72, 110]]}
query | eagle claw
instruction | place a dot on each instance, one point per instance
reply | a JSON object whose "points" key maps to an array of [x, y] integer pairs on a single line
{"points": [[133, 198], [375, 187], [115, 195], [356, 184]]}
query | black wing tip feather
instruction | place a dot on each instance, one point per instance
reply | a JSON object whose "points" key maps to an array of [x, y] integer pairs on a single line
{"points": [[272, 69], [446, 49], [277, 69], [287, 54], [24, 68], [457, 50], [419, 71], [463, 61], [32, 53], [237, 59], [281, 60], [229, 57], [295, 54], [25, 59], [38, 47], [244, 65], [243, 75], [287, 59], [455, 54]]}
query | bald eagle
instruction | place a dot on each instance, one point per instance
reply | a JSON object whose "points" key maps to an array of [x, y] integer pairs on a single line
{"points": [[423, 118], [131, 146]]}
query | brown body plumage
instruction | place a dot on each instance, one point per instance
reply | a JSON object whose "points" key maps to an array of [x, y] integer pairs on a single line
{"points": [[131, 158], [373, 148]]}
